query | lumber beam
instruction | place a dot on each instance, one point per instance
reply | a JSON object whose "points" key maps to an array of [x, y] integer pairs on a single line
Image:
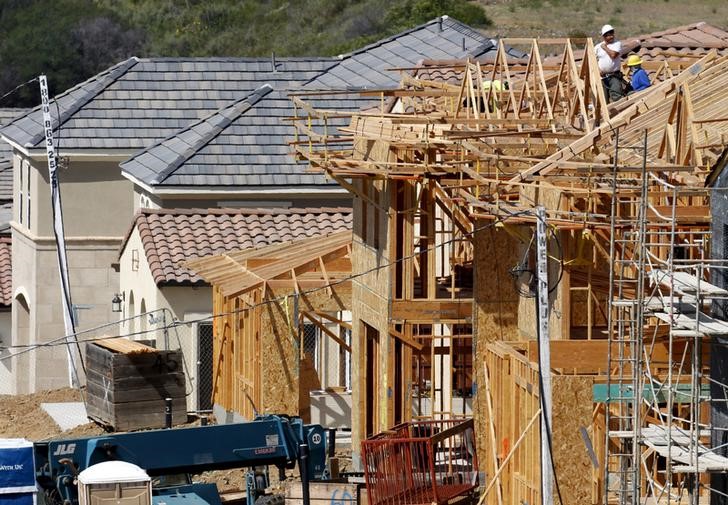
{"points": [[326, 331], [428, 311], [405, 339]]}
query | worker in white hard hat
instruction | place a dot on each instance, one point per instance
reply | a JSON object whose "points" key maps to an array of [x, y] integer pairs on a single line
{"points": [[639, 78], [609, 60]]}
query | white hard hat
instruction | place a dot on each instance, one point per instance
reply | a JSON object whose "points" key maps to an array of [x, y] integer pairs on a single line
{"points": [[607, 29]]}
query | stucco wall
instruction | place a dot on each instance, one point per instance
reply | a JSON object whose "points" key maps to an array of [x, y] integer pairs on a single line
{"points": [[248, 200], [97, 207], [24, 289], [93, 282], [184, 303], [97, 200]]}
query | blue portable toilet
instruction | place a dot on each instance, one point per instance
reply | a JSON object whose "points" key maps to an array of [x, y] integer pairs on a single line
{"points": [[17, 472]]}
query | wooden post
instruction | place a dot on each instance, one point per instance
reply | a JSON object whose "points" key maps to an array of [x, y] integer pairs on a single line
{"points": [[491, 429]]}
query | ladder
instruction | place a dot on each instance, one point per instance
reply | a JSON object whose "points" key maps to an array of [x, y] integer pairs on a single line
{"points": [[626, 323]]}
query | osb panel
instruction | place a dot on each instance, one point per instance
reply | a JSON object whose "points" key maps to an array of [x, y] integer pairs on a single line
{"points": [[495, 296], [283, 383], [308, 381], [373, 310], [550, 198], [572, 410], [279, 359], [496, 308], [558, 286], [370, 304], [580, 309]]}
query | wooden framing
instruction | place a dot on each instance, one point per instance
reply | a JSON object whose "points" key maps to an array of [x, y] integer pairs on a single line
{"points": [[511, 389], [447, 178], [260, 298]]}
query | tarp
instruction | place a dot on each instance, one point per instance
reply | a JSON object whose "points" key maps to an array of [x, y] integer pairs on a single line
{"points": [[17, 471]]}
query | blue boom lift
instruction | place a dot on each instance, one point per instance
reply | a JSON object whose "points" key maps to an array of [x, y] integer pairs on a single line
{"points": [[170, 456]]}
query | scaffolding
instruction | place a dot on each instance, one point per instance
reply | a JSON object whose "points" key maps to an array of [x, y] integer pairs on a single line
{"points": [[657, 413]]}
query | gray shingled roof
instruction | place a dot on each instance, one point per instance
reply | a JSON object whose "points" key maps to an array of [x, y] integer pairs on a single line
{"points": [[244, 144], [369, 67], [142, 100], [251, 148], [210, 122]]}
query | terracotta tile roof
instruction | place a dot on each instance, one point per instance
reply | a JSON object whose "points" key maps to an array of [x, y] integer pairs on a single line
{"points": [[172, 236], [6, 271], [681, 41]]}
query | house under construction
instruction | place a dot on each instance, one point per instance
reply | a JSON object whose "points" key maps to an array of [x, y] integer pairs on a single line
{"points": [[453, 173]]}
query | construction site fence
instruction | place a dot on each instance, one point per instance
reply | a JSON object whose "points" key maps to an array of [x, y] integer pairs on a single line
{"points": [[421, 462]]}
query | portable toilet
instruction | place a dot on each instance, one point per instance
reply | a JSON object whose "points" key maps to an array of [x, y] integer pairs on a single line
{"points": [[17, 472], [114, 483]]}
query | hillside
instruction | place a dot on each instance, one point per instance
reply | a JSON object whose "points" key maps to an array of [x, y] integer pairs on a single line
{"points": [[560, 18], [71, 40]]}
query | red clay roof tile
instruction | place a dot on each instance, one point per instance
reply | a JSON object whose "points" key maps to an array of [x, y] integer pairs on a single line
{"points": [[171, 236], [689, 40]]}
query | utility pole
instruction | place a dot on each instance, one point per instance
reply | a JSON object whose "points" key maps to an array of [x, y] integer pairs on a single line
{"points": [[68, 319], [544, 355]]}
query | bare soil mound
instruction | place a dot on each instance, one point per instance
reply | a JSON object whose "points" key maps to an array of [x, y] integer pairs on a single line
{"points": [[21, 416]]}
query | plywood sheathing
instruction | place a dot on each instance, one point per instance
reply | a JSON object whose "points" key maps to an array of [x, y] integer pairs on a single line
{"points": [[495, 303], [572, 413], [258, 298], [513, 382], [288, 376], [495, 299]]}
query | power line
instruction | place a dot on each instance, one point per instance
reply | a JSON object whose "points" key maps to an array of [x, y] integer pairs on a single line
{"points": [[57, 342], [16, 88]]}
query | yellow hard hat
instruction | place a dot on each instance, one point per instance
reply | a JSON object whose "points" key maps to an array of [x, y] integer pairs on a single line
{"points": [[495, 84], [634, 60]]}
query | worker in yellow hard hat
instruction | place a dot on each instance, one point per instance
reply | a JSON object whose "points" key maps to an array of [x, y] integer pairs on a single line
{"points": [[497, 86], [640, 79]]}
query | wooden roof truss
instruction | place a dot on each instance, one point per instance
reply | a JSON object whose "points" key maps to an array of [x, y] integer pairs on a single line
{"points": [[317, 262]]}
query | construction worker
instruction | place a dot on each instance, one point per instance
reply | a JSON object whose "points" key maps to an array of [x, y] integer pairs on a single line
{"points": [[497, 87], [640, 79], [609, 60]]}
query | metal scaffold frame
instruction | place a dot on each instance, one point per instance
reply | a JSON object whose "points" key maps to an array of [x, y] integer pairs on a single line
{"points": [[658, 448]]}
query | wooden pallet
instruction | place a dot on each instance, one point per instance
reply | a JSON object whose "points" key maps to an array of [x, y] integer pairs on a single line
{"points": [[127, 383]]}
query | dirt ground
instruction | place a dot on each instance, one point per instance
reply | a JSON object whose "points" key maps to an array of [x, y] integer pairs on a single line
{"points": [[21, 416]]}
